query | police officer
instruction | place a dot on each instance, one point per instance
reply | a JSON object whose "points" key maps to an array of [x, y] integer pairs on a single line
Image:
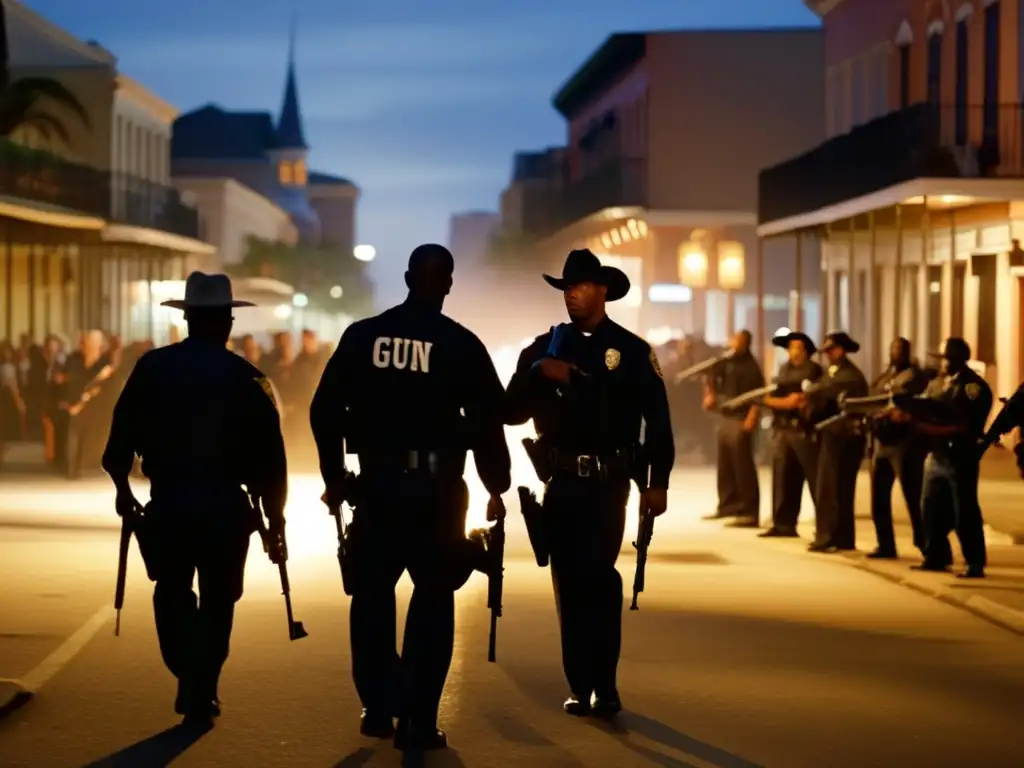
{"points": [[950, 497], [794, 443], [204, 423], [409, 391], [738, 493], [842, 447], [587, 399], [897, 451]]}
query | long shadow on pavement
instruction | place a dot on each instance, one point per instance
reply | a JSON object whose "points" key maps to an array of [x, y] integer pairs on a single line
{"points": [[156, 751], [630, 722], [357, 759]]}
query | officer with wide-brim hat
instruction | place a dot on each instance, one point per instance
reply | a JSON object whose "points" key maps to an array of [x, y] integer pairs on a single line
{"points": [[582, 266], [785, 339], [842, 340], [203, 291]]}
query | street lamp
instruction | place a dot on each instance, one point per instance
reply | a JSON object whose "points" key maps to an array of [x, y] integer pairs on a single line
{"points": [[300, 300], [364, 252], [336, 292]]}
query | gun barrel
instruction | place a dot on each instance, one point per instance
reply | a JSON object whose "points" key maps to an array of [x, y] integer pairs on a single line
{"points": [[122, 572], [699, 368], [864, 405], [749, 398]]}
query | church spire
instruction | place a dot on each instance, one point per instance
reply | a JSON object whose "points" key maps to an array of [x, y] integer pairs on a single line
{"points": [[289, 124]]}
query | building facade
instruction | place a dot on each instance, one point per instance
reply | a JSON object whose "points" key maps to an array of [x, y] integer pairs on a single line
{"points": [[88, 225], [917, 196], [665, 134]]}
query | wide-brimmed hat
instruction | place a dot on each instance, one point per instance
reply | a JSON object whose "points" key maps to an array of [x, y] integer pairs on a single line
{"points": [[955, 348], [840, 339], [204, 291], [582, 266], [784, 340]]}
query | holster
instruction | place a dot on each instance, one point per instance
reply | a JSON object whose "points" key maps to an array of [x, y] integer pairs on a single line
{"points": [[536, 525], [540, 458]]}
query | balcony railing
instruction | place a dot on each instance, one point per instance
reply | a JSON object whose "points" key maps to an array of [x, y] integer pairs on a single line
{"points": [[43, 178], [922, 141], [617, 183]]}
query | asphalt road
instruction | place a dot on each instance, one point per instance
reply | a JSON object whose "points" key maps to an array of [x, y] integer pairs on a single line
{"points": [[744, 653]]}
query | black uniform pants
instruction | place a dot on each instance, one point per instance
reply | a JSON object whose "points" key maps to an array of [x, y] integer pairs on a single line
{"points": [[891, 462], [838, 464], [416, 525], [195, 631], [587, 520], [739, 494], [794, 461], [949, 503]]}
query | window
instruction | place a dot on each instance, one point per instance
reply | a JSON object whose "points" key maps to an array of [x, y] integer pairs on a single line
{"points": [[285, 174], [984, 267], [990, 111], [960, 114], [935, 66], [934, 306], [299, 174], [904, 53], [959, 278]]}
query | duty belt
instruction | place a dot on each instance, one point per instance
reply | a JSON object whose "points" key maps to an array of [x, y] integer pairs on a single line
{"points": [[596, 466], [432, 463]]}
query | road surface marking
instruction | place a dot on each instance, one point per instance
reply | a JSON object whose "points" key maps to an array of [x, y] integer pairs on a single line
{"points": [[67, 650]]}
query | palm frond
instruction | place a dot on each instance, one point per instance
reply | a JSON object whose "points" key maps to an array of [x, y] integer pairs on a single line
{"points": [[46, 125], [29, 90]]}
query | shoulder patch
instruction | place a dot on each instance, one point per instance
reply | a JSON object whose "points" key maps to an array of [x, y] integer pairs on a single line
{"points": [[264, 383], [832, 369], [655, 365], [972, 390]]}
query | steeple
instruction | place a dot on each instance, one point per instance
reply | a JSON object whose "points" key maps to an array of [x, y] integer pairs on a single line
{"points": [[289, 124]]}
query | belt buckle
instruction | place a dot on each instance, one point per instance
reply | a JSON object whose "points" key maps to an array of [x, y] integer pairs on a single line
{"points": [[583, 465]]}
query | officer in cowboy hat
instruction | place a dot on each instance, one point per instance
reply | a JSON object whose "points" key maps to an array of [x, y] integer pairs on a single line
{"points": [[587, 385], [950, 495], [205, 425], [794, 449], [842, 446], [410, 392]]}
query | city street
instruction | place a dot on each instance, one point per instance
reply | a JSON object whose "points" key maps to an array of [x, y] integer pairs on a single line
{"points": [[744, 653]]}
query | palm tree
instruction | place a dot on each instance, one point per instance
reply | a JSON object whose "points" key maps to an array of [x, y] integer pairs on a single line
{"points": [[23, 102]]}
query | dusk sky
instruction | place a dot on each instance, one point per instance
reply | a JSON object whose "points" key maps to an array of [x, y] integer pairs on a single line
{"points": [[420, 103]]}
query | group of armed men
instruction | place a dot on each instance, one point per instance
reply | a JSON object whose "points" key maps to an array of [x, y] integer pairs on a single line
{"points": [[923, 426], [409, 393]]}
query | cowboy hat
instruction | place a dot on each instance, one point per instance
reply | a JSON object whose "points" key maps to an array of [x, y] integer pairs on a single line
{"points": [[954, 348], [204, 291], [582, 266], [784, 340], [840, 339]]}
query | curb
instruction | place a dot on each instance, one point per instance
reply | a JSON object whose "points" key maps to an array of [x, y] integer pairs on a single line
{"points": [[989, 610], [13, 696]]}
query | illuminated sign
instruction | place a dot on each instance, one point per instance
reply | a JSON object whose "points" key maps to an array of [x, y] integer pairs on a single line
{"points": [[669, 293]]}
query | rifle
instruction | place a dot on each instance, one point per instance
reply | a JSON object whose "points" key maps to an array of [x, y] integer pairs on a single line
{"points": [[495, 538], [1010, 416], [122, 572], [296, 631], [696, 370], [644, 534], [753, 397]]}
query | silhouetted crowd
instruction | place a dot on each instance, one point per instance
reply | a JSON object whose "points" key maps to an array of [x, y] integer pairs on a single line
{"points": [[693, 427], [62, 396]]}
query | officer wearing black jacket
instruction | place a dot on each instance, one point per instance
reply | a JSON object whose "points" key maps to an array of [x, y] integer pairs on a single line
{"points": [[842, 447], [739, 495], [794, 443], [205, 424], [587, 401], [409, 391], [897, 452], [950, 497]]}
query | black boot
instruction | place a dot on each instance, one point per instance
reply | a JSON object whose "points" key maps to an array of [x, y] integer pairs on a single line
{"points": [[607, 704], [376, 725], [413, 736], [577, 706]]}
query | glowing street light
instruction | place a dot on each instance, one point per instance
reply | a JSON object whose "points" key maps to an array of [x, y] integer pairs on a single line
{"points": [[336, 292], [364, 252], [300, 300]]}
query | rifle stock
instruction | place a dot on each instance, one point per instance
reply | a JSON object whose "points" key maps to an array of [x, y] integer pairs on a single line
{"points": [[1010, 416], [296, 630], [645, 532], [495, 581]]}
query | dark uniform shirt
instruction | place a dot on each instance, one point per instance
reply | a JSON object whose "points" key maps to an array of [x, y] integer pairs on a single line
{"points": [[735, 376], [790, 381], [842, 378], [199, 414], [602, 413], [970, 398], [908, 379], [412, 379]]}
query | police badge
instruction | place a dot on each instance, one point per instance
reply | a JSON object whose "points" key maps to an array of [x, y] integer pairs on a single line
{"points": [[266, 386], [972, 390], [654, 364], [832, 369], [612, 358]]}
